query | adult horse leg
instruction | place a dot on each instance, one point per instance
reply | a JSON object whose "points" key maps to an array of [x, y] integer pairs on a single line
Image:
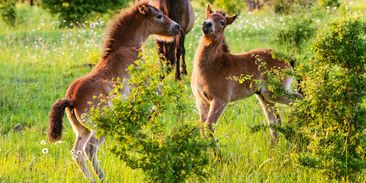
{"points": [[167, 54], [160, 45], [178, 53], [162, 52], [183, 50], [272, 117], [171, 56], [91, 148]]}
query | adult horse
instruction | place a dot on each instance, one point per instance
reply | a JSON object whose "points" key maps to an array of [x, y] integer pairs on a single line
{"points": [[181, 12], [122, 45]]}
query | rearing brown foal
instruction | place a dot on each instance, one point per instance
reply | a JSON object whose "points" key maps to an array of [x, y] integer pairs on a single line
{"points": [[214, 65], [122, 45]]}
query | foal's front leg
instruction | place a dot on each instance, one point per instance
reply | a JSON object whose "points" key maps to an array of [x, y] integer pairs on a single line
{"points": [[203, 108], [217, 106], [272, 116]]}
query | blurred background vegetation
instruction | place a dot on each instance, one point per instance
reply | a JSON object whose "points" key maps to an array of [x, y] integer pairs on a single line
{"points": [[44, 45], [76, 12]]}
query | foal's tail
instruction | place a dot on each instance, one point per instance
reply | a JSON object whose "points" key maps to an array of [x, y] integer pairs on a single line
{"points": [[56, 114]]}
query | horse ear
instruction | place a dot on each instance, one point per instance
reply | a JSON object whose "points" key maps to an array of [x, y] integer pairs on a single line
{"points": [[230, 20], [143, 9], [208, 10]]}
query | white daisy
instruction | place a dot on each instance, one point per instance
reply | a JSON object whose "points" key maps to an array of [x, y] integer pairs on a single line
{"points": [[45, 151]]}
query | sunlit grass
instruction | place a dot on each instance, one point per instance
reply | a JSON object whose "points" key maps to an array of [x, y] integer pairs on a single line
{"points": [[38, 61]]}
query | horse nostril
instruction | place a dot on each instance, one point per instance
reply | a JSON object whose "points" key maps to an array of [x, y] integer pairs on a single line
{"points": [[209, 24]]}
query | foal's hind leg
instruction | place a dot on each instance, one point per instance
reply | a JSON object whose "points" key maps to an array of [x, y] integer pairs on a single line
{"points": [[286, 99], [91, 149], [78, 154], [272, 116]]}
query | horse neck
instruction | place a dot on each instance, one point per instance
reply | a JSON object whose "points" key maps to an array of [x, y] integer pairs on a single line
{"points": [[127, 33], [209, 50]]}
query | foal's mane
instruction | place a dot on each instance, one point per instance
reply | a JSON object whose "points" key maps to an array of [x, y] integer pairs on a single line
{"points": [[120, 28]]}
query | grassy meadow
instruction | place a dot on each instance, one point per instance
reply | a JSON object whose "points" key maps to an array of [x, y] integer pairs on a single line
{"points": [[38, 60]]}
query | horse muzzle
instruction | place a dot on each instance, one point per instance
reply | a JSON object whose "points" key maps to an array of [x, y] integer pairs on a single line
{"points": [[207, 28], [175, 29]]}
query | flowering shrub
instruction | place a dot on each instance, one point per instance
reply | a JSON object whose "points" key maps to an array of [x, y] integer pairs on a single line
{"points": [[139, 125], [330, 122], [7, 11]]}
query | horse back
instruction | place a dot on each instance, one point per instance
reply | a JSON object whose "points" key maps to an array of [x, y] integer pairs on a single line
{"points": [[261, 59]]}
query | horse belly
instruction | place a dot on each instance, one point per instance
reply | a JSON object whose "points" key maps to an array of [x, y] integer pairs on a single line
{"points": [[241, 92]]}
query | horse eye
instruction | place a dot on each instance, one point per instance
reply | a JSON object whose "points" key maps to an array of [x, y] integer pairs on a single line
{"points": [[159, 16], [222, 23]]}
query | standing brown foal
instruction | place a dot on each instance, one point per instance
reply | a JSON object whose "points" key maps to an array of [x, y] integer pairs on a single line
{"points": [[124, 40], [172, 50], [214, 65]]}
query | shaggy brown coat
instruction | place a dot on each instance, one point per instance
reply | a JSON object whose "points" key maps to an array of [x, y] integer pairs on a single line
{"points": [[215, 66], [121, 48]]}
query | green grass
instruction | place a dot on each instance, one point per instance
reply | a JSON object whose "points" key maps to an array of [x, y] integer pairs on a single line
{"points": [[37, 63]]}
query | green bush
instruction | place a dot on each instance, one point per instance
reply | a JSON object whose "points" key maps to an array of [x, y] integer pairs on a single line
{"points": [[329, 123], [139, 124], [7, 11], [291, 6], [329, 3], [230, 6], [75, 12], [295, 32]]}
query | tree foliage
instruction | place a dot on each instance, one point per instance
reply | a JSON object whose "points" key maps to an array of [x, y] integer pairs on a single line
{"points": [[7, 11], [75, 12], [230, 6], [329, 3], [330, 122], [139, 125], [291, 6]]}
